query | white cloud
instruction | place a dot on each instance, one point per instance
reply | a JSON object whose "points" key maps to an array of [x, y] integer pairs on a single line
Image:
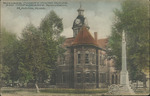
{"points": [[13, 23], [68, 32], [99, 15]]}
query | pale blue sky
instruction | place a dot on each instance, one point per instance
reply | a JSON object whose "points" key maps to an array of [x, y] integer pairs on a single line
{"points": [[98, 12]]}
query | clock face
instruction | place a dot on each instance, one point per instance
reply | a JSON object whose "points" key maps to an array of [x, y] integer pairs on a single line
{"points": [[77, 21]]}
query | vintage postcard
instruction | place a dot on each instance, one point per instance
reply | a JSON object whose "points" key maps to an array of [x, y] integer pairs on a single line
{"points": [[74, 47]]}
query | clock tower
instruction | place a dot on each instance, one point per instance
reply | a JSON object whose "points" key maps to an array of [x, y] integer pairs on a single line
{"points": [[79, 22]]}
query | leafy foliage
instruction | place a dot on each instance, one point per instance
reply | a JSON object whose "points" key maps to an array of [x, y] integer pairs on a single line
{"points": [[32, 58], [51, 27], [133, 18], [9, 40]]}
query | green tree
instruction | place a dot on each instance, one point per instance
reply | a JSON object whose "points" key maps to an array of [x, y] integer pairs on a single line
{"points": [[133, 18], [42, 47], [8, 41], [51, 27], [32, 58], [35, 59]]}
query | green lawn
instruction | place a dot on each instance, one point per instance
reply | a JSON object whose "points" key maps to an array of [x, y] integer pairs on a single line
{"points": [[60, 92], [52, 92], [74, 91], [56, 90]]}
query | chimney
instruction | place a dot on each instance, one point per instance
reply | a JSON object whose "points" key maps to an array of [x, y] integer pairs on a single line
{"points": [[95, 36]]}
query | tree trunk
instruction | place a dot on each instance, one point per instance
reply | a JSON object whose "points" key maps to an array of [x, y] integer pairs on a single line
{"points": [[37, 88], [1, 85], [0, 88], [0, 92]]}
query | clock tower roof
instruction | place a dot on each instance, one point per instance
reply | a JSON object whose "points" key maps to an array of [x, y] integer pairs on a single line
{"points": [[80, 10], [84, 38], [79, 22]]}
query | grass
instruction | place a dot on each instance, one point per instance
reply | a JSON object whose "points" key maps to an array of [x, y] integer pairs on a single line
{"points": [[74, 91], [142, 91], [54, 90], [60, 92], [15, 90]]}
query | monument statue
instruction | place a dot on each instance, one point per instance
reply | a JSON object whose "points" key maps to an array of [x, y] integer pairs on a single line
{"points": [[124, 77], [124, 87]]}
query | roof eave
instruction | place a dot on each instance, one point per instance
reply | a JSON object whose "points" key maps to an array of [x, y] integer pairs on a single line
{"points": [[75, 45]]}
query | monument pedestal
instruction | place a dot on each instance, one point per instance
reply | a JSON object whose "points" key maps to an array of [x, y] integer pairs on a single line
{"points": [[124, 84], [124, 79], [126, 90]]}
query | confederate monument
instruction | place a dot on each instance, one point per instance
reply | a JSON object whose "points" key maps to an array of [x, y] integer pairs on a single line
{"points": [[124, 77]]}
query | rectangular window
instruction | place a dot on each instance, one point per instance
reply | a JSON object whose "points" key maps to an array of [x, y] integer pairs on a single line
{"points": [[116, 79], [86, 58], [93, 77], [79, 58], [112, 79], [102, 60], [79, 77], [102, 77], [63, 59], [87, 77], [93, 58], [63, 77]]}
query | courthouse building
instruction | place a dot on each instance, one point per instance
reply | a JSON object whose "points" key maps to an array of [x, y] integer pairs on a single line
{"points": [[85, 63]]}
